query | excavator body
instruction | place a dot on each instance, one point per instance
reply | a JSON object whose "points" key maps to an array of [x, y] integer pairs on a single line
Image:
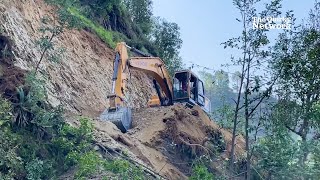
{"points": [[186, 87]]}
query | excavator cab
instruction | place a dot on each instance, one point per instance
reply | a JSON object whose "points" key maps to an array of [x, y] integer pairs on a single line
{"points": [[188, 88]]}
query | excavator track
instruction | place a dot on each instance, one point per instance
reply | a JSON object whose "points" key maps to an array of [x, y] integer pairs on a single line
{"points": [[120, 117]]}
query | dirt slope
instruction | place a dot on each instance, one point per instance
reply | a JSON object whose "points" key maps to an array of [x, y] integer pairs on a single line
{"points": [[168, 139], [165, 139], [81, 81]]}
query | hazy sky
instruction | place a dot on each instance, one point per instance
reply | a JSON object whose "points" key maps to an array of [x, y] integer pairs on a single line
{"points": [[205, 24]]}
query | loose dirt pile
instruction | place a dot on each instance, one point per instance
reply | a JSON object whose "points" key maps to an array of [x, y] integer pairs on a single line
{"points": [[169, 139]]}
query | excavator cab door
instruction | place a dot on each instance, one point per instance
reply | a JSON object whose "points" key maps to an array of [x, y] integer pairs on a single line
{"points": [[181, 89], [185, 87]]}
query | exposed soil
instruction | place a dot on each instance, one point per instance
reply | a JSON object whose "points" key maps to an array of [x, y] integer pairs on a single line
{"points": [[11, 77], [169, 139], [81, 80], [166, 139], [181, 135]]}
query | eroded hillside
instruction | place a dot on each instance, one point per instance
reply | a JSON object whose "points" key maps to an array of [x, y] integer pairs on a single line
{"points": [[165, 139], [81, 80]]}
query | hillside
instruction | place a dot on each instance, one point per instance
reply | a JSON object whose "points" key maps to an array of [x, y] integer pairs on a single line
{"points": [[165, 140]]}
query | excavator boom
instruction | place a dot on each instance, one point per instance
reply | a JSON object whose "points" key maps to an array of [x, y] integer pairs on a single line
{"points": [[118, 112], [188, 88]]}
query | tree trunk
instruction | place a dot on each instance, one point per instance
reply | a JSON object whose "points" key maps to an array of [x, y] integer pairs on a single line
{"points": [[235, 120], [246, 104]]}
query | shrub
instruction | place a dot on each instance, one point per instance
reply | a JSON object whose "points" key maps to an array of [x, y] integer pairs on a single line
{"points": [[88, 164], [71, 143], [10, 163], [200, 172], [33, 113], [35, 170], [124, 169]]}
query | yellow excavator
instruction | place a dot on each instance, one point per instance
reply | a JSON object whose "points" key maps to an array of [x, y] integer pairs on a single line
{"points": [[185, 87]]}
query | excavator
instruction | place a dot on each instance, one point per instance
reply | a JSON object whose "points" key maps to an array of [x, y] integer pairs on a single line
{"points": [[185, 87]]}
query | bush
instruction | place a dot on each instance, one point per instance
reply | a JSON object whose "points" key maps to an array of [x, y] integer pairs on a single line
{"points": [[35, 170], [124, 169], [11, 164], [88, 164], [33, 113], [200, 172], [72, 143]]}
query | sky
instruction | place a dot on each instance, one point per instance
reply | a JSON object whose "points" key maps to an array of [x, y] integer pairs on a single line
{"points": [[205, 24]]}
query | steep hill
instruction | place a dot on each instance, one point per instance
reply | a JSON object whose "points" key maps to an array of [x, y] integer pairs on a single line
{"points": [[81, 80], [166, 140]]}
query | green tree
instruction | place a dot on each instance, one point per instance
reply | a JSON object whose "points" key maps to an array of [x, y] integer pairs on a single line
{"points": [[252, 43], [168, 42], [298, 52], [200, 172], [141, 13]]}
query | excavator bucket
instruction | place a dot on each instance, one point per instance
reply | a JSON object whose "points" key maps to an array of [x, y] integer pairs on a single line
{"points": [[120, 117]]}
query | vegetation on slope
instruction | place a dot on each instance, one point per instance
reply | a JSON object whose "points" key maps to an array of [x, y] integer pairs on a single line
{"points": [[129, 21], [279, 113]]}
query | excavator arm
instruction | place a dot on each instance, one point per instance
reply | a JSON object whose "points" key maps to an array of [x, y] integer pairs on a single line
{"points": [[118, 113], [155, 68]]}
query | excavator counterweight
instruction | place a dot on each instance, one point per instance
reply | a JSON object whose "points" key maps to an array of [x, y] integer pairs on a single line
{"points": [[185, 88]]}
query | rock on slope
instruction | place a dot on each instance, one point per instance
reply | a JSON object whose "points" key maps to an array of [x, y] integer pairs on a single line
{"points": [[166, 139]]}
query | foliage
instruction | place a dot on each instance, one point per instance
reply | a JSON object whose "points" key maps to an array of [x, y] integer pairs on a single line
{"points": [[168, 42], [87, 165], [299, 79], [130, 21], [10, 162], [72, 143], [141, 13], [38, 142], [5, 109], [124, 169], [106, 35], [113, 16], [32, 112], [278, 155], [90, 163], [253, 45], [296, 60], [200, 172], [37, 169]]}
